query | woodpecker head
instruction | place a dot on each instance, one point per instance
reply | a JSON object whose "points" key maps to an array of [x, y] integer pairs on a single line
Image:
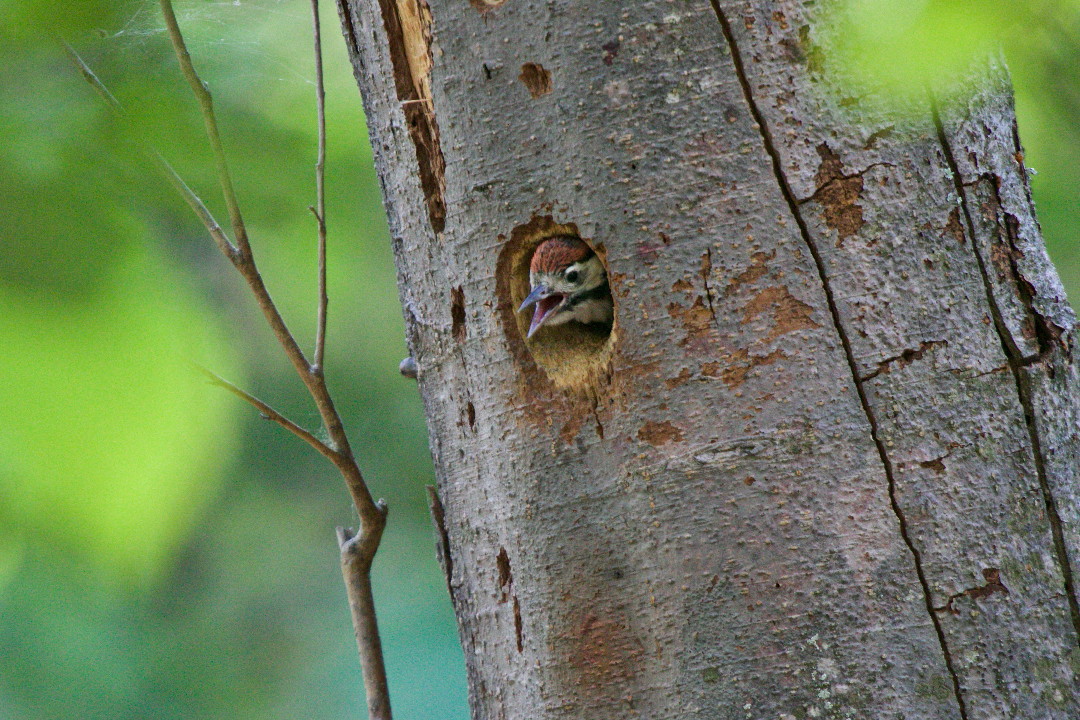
{"points": [[568, 283]]}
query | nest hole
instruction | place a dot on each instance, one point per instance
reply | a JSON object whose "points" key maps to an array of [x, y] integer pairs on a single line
{"points": [[572, 355]]}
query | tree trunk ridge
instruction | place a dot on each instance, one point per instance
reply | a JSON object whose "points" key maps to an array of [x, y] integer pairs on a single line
{"points": [[1048, 336], [825, 465]]}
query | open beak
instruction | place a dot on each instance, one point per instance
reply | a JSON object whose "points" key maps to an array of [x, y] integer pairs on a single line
{"points": [[546, 303]]}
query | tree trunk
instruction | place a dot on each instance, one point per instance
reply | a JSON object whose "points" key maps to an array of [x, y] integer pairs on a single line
{"points": [[825, 465]]}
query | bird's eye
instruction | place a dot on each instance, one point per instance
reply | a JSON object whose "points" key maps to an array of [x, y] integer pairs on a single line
{"points": [[572, 276]]}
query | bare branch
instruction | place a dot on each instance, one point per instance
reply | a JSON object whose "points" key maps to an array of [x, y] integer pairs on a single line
{"points": [[356, 553], [206, 105], [271, 414], [320, 194], [245, 263]]}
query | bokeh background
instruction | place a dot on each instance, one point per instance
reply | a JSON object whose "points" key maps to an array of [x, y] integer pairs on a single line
{"points": [[164, 552]]}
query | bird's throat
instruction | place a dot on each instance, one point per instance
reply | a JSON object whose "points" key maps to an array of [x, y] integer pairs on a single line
{"points": [[545, 306]]}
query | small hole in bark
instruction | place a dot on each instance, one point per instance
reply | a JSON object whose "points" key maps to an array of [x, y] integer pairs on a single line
{"points": [[536, 78], [470, 410], [457, 313], [519, 636], [506, 576], [572, 355]]}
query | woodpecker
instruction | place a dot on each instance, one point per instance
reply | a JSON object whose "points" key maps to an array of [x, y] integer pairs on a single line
{"points": [[569, 283]]}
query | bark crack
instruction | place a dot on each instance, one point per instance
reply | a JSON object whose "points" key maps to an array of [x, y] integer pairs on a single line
{"points": [[903, 359], [1047, 334], [833, 180], [992, 585], [506, 588], [348, 28], [442, 538], [596, 417], [936, 464], [1023, 389], [706, 270], [1018, 155], [793, 206]]}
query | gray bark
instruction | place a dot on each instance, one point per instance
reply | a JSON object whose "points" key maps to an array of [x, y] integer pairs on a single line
{"points": [[826, 464]]}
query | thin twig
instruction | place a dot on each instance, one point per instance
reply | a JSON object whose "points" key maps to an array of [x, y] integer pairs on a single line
{"points": [[269, 413], [93, 79], [206, 105], [320, 194], [193, 200]]}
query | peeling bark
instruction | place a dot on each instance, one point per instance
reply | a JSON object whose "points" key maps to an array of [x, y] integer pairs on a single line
{"points": [[407, 34], [825, 464]]}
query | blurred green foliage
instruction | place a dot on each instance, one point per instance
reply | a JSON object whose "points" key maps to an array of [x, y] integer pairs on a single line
{"points": [[164, 552]]}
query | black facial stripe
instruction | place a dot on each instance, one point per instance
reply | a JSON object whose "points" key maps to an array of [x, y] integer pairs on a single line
{"points": [[594, 294]]}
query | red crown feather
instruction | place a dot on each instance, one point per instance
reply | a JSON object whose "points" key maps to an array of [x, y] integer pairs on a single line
{"points": [[557, 253]]}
